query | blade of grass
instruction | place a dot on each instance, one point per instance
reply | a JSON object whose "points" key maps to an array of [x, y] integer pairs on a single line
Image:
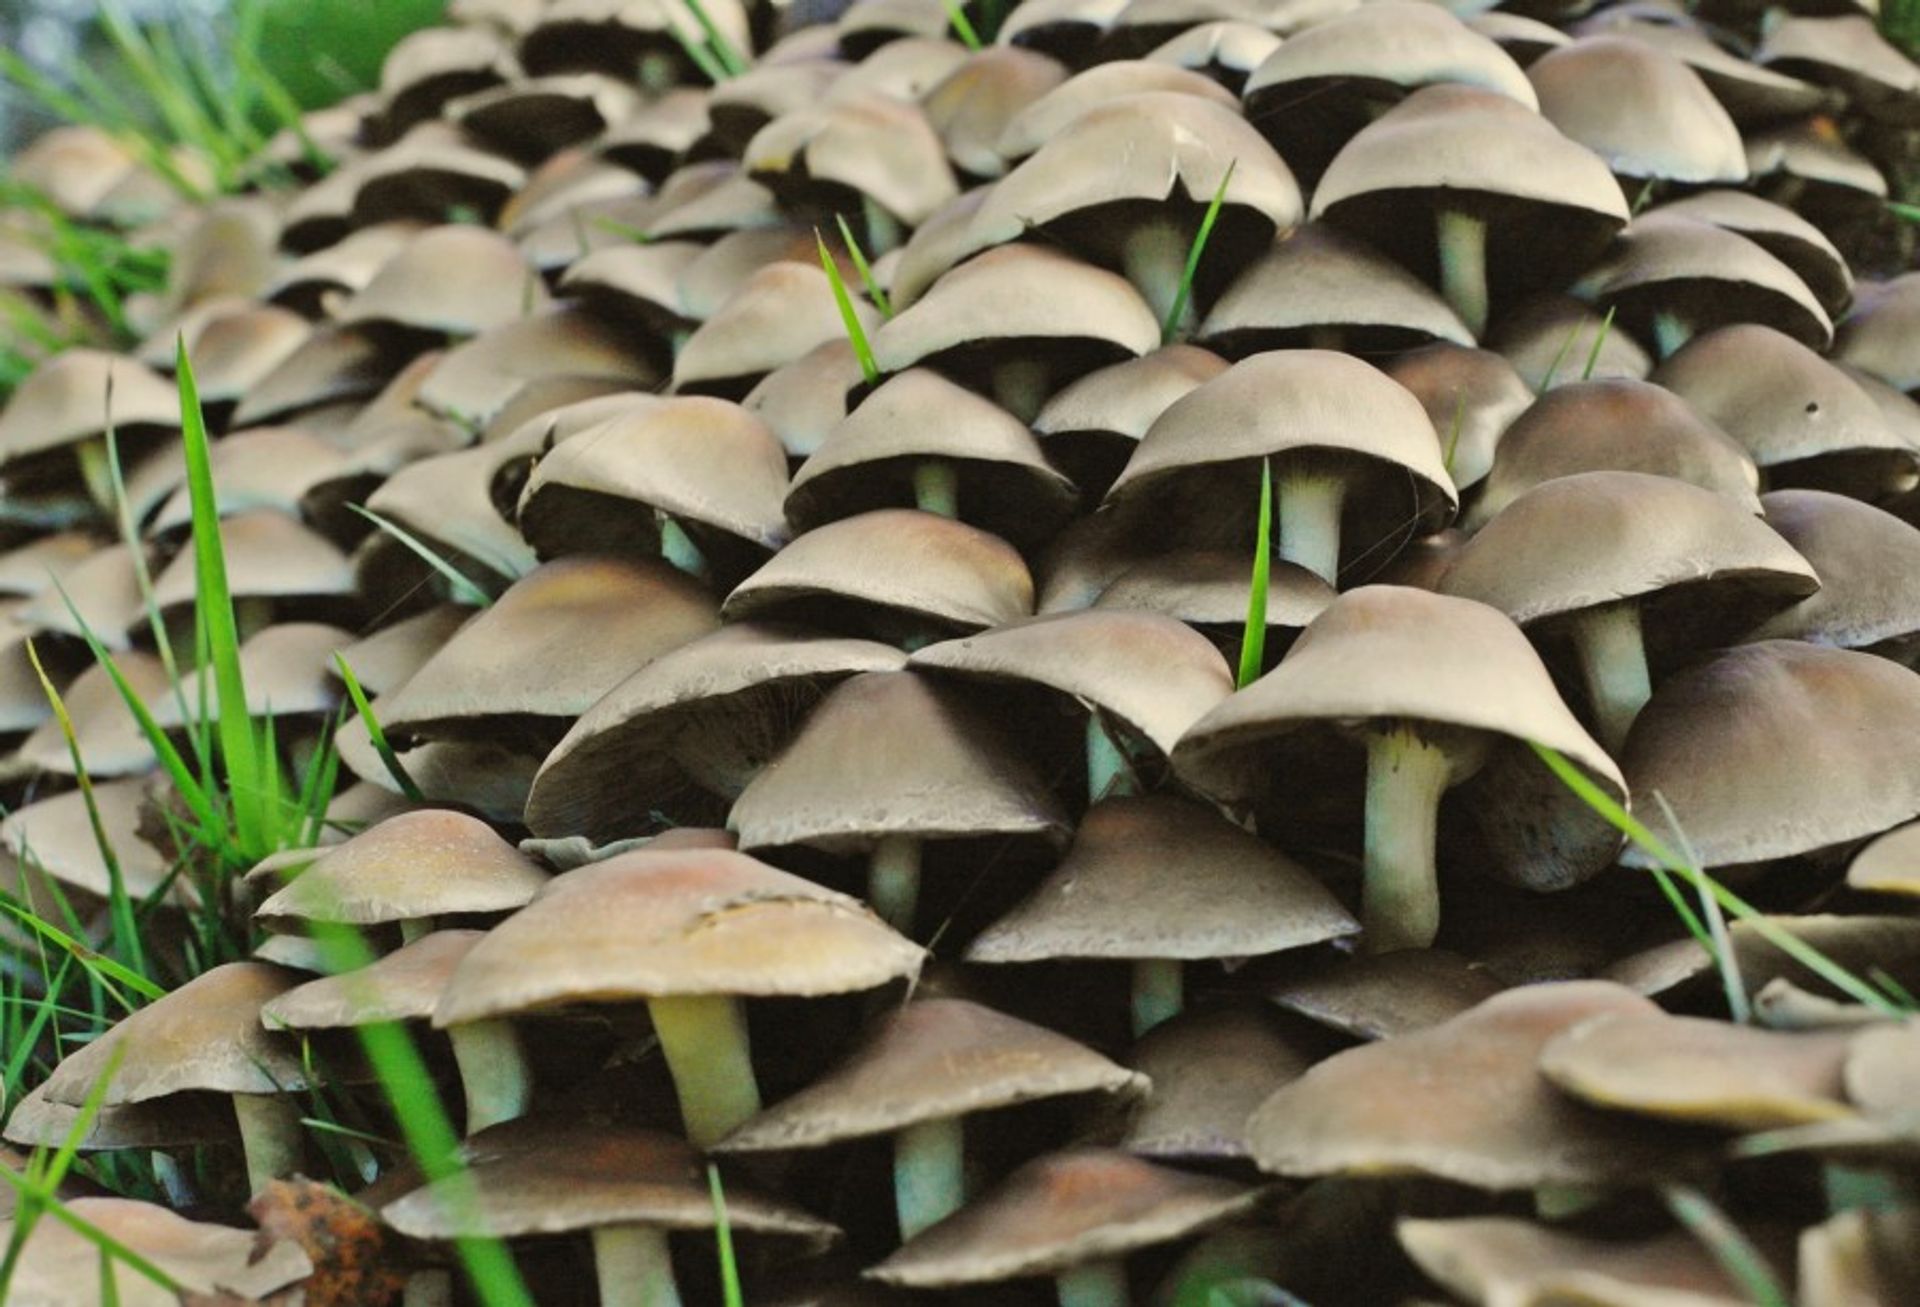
{"points": [[1730, 1247], [1253, 639], [875, 291], [718, 44], [856, 332], [101, 967], [723, 1234], [1599, 342], [375, 732], [464, 590], [962, 25], [1906, 212], [1725, 960], [1169, 330], [1454, 428]]}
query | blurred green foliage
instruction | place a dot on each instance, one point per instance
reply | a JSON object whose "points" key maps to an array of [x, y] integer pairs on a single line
{"points": [[322, 50]]}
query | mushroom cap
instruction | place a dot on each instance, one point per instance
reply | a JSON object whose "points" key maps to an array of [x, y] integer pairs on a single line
{"points": [[1847, 52], [477, 378], [803, 401], [178, 1121], [1160, 877], [1882, 1070], [1541, 335], [1813, 153], [1209, 1069], [1381, 995], [1641, 109], [972, 104], [1064, 1210], [1861, 1255], [385, 659], [1857, 942], [867, 461], [1500, 1259], [105, 589], [940, 573], [1782, 233], [1092, 87], [878, 146], [459, 502], [1377, 654], [1153, 673], [736, 694], [1463, 1101], [269, 555], [783, 311], [558, 639], [1471, 396], [1124, 399], [31, 567], [63, 401], [1868, 561], [1210, 587], [56, 835], [1702, 1072], [269, 467], [1779, 748], [110, 741], [460, 280], [679, 922], [1889, 864], [431, 862], [1878, 335], [288, 670], [334, 364], [1701, 568], [1308, 405], [402, 986], [552, 1175], [932, 1060], [894, 753], [205, 1035]]}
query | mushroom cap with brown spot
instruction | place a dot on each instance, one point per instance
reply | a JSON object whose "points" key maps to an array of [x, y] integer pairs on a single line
{"points": [[555, 1174], [1641, 109], [405, 985], [205, 1035], [427, 863], [1064, 1210], [894, 753], [932, 1060], [1868, 561], [1160, 877], [941, 573], [1395, 654], [1381, 995], [1889, 864], [675, 923], [558, 639], [1501, 1259], [1471, 396], [749, 681], [1701, 569], [1702, 1072], [460, 280], [1209, 1069], [1463, 1101], [1779, 748]]}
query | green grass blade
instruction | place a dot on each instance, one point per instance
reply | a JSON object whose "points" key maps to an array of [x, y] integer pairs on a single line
{"points": [[1253, 639], [1170, 329], [1907, 212], [97, 964], [1454, 428], [377, 733], [1599, 343], [962, 25], [718, 45], [723, 1234], [1730, 1247], [1721, 946], [1559, 357], [875, 291], [856, 331], [464, 590], [702, 57]]}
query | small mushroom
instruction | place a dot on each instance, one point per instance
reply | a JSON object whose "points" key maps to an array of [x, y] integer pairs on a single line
{"points": [[1381, 995], [1209, 1069], [1499, 1259], [1866, 560]]}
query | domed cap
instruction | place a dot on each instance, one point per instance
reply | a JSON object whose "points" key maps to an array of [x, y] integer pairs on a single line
{"points": [[1471, 396], [103, 589], [402, 986], [973, 104], [1849, 53], [110, 741], [55, 835], [875, 146], [1092, 87], [803, 401], [64, 401], [428, 172], [1379, 652], [386, 658], [475, 380], [429, 67], [1639, 108], [1814, 154], [894, 753], [1209, 1069], [1501, 1259], [1889, 864], [289, 674], [1751, 94], [1382, 995], [784, 310], [677, 922], [427, 863], [1679, 969], [1780, 748], [1115, 405], [1463, 1101], [234, 344], [459, 280], [1064, 1210], [709, 714], [1159, 877], [270, 467], [1065, 29], [269, 556], [1879, 335], [1550, 339], [932, 1060], [1868, 562], [333, 365], [1782, 233]]}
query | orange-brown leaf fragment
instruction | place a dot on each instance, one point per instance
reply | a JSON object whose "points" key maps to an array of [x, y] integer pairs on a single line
{"points": [[353, 1262]]}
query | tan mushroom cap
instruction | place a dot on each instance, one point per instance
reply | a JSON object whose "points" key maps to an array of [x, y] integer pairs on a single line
{"points": [[477, 379], [1378, 653], [64, 401], [1159, 877], [460, 280], [61, 1265], [1751, 94], [1065, 29], [205, 1035], [1779, 748], [233, 344], [110, 740], [1641, 109], [1856, 942], [346, 265], [1463, 1101], [552, 1175], [490, 778], [385, 659], [973, 104], [289, 673], [1209, 1069], [1498, 1260], [880, 147], [56, 835], [708, 463], [679, 922], [1311, 405], [1124, 399], [1702, 1072], [1208, 588], [332, 365], [1859, 1258], [405, 985], [74, 165], [1629, 426], [642, 280], [31, 567], [1882, 1072], [803, 401], [1050, 114], [1471, 396], [1064, 1210], [1381, 995], [1889, 864], [557, 640], [1702, 568], [1226, 50], [543, 117], [942, 573], [894, 753], [932, 1060], [717, 708], [1549, 339], [1869, 564], [179, 1121], [271, 468], [454, 503], [103, 588], [428, 171], [1847, 52], [1150, 672], [742, 106], [1782, 233], [269, 555], [1878, 335], [783, 311], [418, 864], [1814, 154], [436, 63]]}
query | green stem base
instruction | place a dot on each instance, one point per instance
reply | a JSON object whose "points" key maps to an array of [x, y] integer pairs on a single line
{"points": [[929, 1174], [1159, 992]]}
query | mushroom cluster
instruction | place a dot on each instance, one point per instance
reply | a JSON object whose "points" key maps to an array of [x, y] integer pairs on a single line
{"points": [[1029, 634]]}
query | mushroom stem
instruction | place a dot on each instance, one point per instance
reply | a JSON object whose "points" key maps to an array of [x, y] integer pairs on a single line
{"points": [[1400, 892], [1020, 387], [883, 229], [414, 929], [1154, 259], [270, 1135], [1108, 775], [1463, 266], [493, 1071], [1670, 332], [1159, 992], [893, 880], [704, 1038], [634, 1267], [1097, 1284], [936, 488], [1308, 510], [430, 1288], [677, 547], [1613, 660], [929, 1173], [174, 1181]]}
